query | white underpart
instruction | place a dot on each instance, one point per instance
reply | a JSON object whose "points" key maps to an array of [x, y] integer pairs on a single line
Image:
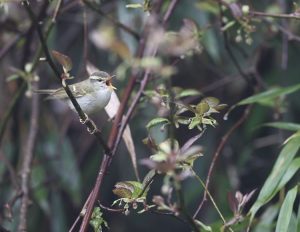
{"points": [[92, 103]]}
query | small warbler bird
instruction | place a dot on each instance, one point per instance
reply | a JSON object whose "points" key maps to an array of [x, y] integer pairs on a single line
{"points": [[92, 94]]}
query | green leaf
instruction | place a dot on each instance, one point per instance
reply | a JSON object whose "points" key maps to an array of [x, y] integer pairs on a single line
{"points": [[63, 60], [209, 121], [137, 188], [281, 166], [187, 159], [188, 93], [220, 107], [150, 93], [164, 149], [165, 146], [202, 108], [157, 121], [150, 62], [211, 101], [195, 122], [269, 95], [134, 6], [40, 191], [122, 191], [266, 221], [210, 6], [293, 136], [212, 45], [66, 169], [182, 120], [12, 77], [148, 177], [202, 226], [298, 218], [159, 157], [286, 210], [129, 189], [293, 223], [228, 25], [97, 220], [290, 172], [58, 221], [284, 125]]}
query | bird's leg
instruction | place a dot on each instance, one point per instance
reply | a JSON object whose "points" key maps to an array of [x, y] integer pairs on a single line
{"points": [[91, 121], [85, 120], [94, 130]]}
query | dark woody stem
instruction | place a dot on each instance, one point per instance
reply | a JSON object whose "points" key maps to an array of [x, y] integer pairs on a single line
{"points": [[90, 125]]}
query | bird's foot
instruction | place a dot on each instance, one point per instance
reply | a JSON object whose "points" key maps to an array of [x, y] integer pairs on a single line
{"points": [[94, 129], [84, 121], [87, 119]]}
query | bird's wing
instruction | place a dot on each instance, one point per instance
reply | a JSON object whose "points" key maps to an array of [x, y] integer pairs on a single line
{"points": [[76, 91]]}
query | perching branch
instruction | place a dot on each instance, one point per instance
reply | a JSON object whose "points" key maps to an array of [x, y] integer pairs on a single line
{"points": [[27, 160], [90, 125]]}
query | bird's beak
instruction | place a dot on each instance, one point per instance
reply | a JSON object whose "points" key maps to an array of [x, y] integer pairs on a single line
{"points": [[109, 84]]}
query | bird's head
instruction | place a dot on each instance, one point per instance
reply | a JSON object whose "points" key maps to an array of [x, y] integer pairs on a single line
{"points": [[102, 77]]}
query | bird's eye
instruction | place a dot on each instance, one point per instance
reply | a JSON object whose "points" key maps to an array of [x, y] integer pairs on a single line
{"points": [[100, 80]]}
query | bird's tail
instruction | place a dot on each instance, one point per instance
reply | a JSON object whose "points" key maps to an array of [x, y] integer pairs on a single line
{"points": [[43, 91], [49, 92]]}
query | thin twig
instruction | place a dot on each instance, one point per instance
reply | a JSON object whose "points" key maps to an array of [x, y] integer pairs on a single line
{"points": [[11, 108], [111, 209], [117, 23], [85, 38], [234, 59], [26, 53], [182, 207], [290, 35], [169, 11], [282, 16], [285, 42], [264, 14], [69, 5], [130, 110], [94, 193], [210, 196], [11, 170], [23, 86], [5, 50], [28, 152], [217, 154], [57, 7], [27, 159], [147, 184], [79, 216]]}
